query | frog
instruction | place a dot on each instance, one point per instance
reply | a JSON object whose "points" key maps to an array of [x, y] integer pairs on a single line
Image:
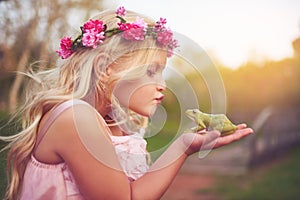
{"points": [[206, 122]]}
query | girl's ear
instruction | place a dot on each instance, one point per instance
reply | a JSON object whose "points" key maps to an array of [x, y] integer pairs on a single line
{"points": [[104, 77], [100, 67]]}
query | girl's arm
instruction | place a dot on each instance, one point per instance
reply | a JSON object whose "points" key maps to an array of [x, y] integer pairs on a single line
{"points": [[85, 146], [161, 174]]}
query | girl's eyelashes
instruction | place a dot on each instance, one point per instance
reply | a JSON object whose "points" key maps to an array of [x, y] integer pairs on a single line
{"points": [[150, 72], [153, 69]]}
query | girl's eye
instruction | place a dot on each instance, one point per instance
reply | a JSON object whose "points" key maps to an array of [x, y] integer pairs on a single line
{"points": [[150, 72], [153, 69]]}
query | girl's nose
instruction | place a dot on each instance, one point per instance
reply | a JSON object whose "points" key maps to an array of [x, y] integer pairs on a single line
{"points": [[161, 86]]}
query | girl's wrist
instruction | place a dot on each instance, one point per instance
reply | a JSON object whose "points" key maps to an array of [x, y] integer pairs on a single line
{"points": [[182, 145]]}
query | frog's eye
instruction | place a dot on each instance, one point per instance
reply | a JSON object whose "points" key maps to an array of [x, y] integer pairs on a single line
{"points": [[194, 111]]}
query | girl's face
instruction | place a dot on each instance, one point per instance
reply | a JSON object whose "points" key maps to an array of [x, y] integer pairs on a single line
{"points": [[144, 94]]}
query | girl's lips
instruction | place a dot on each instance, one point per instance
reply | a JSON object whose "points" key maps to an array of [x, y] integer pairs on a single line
{"points": [[159, 99]]}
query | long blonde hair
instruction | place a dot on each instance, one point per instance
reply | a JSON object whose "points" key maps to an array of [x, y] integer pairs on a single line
{"points": [[74, 78]]}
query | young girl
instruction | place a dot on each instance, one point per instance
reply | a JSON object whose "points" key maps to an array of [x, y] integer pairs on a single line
{"points": [[83, 121]]}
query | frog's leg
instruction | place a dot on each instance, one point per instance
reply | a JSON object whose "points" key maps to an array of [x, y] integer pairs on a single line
{"points": [[224, 133], [199, 128], [229, 127], [201, 124]]}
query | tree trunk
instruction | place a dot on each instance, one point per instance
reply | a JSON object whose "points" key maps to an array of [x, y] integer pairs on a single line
{"points": [[14, 90]]}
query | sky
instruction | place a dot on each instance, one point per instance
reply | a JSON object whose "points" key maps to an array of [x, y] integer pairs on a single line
{"points": [[232, 31]]}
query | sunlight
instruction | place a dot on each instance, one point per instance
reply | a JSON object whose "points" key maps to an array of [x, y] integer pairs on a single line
{"points": [[234, 31]]}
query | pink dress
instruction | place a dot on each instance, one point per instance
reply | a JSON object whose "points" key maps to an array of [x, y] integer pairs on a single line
{"points": [[56, 182]]}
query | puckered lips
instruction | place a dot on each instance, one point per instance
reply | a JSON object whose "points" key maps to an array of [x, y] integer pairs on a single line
{"points": [[159, 99]]}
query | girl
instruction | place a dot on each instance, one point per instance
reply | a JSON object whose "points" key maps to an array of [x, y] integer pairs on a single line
{"points": [[83, 121]]}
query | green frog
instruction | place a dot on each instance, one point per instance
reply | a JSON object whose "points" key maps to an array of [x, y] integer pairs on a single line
{"points": [[206, 121]]}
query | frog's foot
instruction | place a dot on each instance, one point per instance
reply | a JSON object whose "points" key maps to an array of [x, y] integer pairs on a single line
{"points": [[224, 133], [202, 132], [195, 130]]}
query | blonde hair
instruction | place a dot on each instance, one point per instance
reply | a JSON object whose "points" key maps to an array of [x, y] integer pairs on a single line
{"points": [[77, 77]]}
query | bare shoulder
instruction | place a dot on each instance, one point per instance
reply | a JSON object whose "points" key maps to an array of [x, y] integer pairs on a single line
{"points": [[86, 148], [79, 123], [65, 129]]}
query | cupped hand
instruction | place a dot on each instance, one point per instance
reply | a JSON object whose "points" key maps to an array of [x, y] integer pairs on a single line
{"points": [[195, 142]]}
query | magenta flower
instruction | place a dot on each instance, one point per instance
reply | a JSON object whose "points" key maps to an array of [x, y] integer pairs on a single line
{"points": [[160, 25], [173, 44], [65, 49], [92, 39], [127, 26], [140, 22], [165, 37], [121, 11], [134, 30], [96, 26], [134, 34], [93, 33]]}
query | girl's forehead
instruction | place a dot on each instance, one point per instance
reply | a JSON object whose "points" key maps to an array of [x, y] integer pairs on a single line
{"points": [[157, 57], [141, 58], [161, 58]]}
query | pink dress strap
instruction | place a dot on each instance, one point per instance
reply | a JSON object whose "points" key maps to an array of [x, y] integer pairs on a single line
{"points": [[55, 113]]}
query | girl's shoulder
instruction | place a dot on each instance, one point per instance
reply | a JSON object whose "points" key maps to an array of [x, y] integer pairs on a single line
{"points": [[61, 127]]}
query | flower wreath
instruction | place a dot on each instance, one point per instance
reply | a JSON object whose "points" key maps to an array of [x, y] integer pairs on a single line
{"points": [[94, 32]]}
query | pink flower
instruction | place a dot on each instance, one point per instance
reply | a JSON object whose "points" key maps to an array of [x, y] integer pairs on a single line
{"points": [[160, 24], [134, 34], [65, 49], [134, 30], [173, 44], [93, 33], [93, 26], [121, 11], [92, 39], [165, 37], [127, 26], [140, 22]]}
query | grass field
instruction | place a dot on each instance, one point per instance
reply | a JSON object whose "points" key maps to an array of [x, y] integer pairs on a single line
{"points": [[4, 130], [2, 175], [278, 179]]}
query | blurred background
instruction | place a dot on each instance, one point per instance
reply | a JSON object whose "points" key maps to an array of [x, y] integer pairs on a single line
{"points": [[254, 45]]}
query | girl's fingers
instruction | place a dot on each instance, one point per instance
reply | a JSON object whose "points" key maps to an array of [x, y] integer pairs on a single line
{"points": [[211, 136], [241, 126], [240, 133], [212, 139]]}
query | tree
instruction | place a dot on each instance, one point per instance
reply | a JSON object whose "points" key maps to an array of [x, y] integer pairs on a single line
{"points": [[31, 25]]}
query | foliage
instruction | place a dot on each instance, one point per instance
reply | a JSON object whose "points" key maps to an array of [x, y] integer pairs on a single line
{"points": [[2, 174], [251, 88], [4, 117], [32, 32], [7, 127]]}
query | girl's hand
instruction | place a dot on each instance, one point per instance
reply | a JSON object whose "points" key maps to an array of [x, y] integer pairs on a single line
{"points": [[195, 142]]}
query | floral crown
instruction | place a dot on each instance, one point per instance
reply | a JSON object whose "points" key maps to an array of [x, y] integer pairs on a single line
{"points": [[94, 32]]}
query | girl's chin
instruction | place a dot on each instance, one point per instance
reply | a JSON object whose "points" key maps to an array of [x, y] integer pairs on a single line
{"points": [[148, 113], [152, 111]]}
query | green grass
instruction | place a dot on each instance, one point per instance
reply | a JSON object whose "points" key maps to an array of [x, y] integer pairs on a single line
{"points": [[158, 143], [279, 179], [5, 129], [2, 174]]}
